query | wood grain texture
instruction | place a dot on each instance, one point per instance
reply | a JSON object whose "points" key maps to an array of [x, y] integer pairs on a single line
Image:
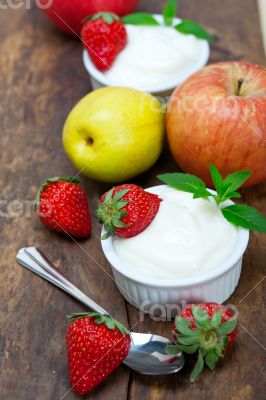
{"points": [[41, 78]]}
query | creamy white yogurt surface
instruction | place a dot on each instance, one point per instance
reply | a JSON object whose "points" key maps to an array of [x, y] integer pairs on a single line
{"points": [[186, 237], [154, 55]]}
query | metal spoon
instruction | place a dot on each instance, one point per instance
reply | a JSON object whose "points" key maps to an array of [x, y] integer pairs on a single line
{"points": [[147, 353]]}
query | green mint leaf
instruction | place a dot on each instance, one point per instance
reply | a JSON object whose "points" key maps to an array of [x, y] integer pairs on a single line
{"points": [[197, 368], [217, 179], [211, 359], [227, 327], [187, 26], [216, 319], [201, 317], [185, 182], [191, 349], [202, 193], [169, 12], [245, 217], [172, 349], [140, 18], [236, 180], [231, 195]]}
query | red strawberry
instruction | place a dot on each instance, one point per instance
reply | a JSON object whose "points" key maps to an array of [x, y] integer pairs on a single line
{"points": [[104, 36], [63, 206], [127, 210], [96, 345], [208, 329]]}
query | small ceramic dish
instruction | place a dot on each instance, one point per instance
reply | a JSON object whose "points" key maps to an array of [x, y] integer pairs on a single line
{"points": [[215, 285], [99, 79]]}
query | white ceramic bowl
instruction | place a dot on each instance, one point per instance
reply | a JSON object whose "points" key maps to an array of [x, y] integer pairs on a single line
{"points": [[98, 79], [148, 293]]}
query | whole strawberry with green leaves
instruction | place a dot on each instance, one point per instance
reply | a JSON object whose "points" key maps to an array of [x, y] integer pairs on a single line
{"points": [[96, 345], [205, 329], [127, 210], [104, 36], [62, 206]]}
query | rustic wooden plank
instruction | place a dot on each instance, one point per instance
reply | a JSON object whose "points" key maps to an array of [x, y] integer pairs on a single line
{"points": [[41, 77]]}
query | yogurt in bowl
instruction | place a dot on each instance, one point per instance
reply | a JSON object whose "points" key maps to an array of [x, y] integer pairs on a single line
{"points": [[189, 252], [156, 59]]}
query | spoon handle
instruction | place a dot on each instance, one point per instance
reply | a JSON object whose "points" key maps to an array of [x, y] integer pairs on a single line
{"points": [[32, 259]]}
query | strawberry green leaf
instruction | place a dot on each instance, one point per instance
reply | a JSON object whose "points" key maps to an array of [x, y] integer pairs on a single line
{"points": [[121, 204], [72, 317], [188, 340], [184, 327], [118, 224], [220, 347], [172, 349], [201, 318], [140, 18], [227, 327], [187, 26], [245, 217], [120, 194], [169, 12], [99, 319], [110, 324], [216, 319], [198, 367], [190, 349], [107, 17], [211, 359], [109, 196]]}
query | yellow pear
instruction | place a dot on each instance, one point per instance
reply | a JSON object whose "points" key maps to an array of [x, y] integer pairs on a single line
{"points": [[114, 134]]}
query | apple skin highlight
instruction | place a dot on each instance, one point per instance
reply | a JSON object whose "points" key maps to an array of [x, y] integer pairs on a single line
{"points": [[211, 118]]}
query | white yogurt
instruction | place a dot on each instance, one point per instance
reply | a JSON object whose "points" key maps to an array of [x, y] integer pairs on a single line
{"points": [[186, 237], [154, 55]]}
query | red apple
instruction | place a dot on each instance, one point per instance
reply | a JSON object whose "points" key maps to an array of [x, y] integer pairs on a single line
{"points": [[68, 14], [218, 115]]}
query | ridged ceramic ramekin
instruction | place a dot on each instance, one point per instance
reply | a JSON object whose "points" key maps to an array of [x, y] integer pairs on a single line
{"points": [[98, 78], [146, 293]]}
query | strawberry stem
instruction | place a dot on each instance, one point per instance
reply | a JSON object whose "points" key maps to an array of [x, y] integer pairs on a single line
{"points": [[100, 319]]}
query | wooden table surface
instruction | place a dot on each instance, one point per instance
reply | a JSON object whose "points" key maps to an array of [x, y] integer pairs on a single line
{"points": [[41, 78]]}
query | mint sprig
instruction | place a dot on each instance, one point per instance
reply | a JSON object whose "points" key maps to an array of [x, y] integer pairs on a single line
{"points": [[169, 12], [238, 214], [140, 18], [187, 26]]}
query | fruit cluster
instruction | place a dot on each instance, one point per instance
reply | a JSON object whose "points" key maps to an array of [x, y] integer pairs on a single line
{"points": [[115, 134]]}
